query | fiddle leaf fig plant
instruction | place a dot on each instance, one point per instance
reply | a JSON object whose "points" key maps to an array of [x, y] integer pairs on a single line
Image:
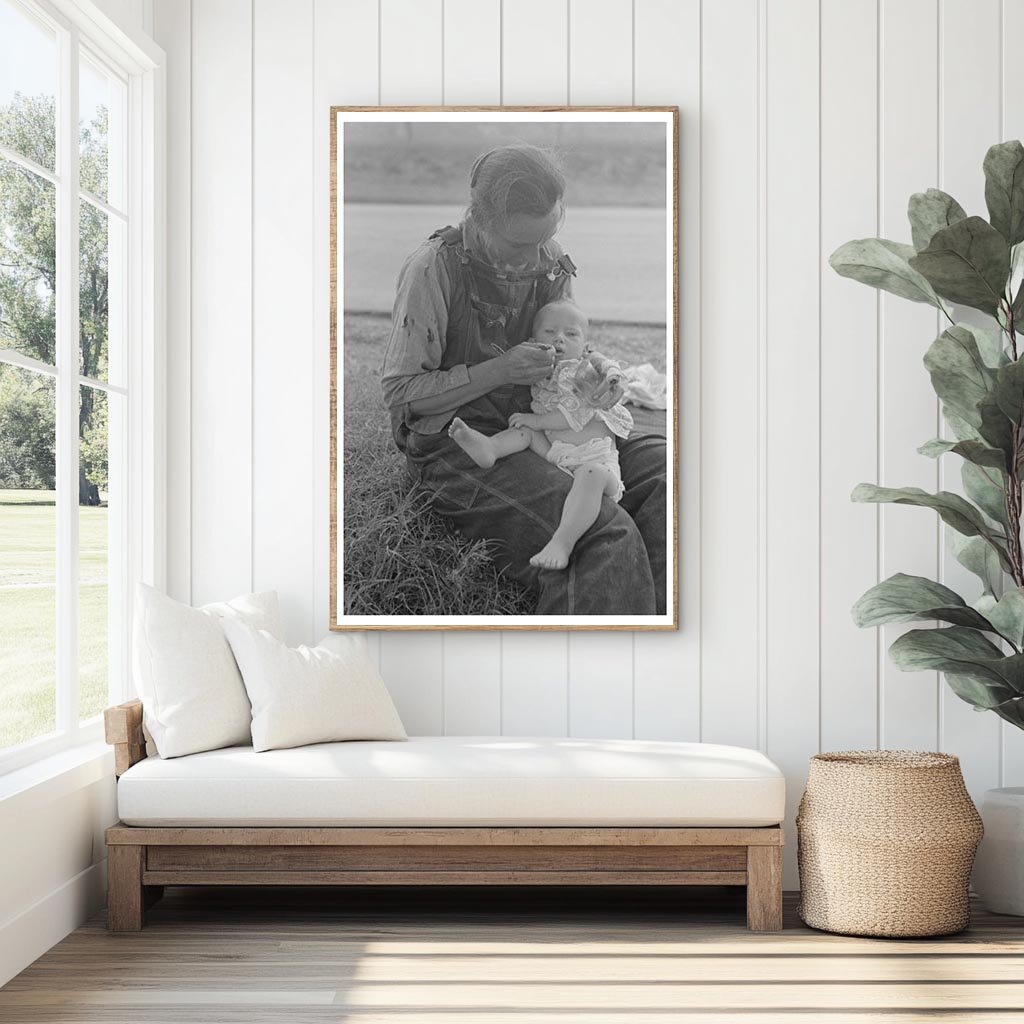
{"points": [[978, 375]]}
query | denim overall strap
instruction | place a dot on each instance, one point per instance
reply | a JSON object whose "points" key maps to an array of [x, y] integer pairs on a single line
{"points": [[491, 311]]}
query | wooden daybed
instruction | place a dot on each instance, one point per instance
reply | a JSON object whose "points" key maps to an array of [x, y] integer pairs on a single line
{"points": [[183, 850]]}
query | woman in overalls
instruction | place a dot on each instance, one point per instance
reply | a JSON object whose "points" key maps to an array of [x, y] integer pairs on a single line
{"points": [[463, 312]]}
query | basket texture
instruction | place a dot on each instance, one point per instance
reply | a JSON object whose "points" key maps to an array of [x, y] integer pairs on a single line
{"points": [[885, 842]]}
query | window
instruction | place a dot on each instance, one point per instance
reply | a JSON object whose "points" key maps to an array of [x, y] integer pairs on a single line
{"points": [[77, 315]]}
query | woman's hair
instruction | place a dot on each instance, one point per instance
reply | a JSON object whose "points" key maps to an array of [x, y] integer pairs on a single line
{"points": [[514, 179]]}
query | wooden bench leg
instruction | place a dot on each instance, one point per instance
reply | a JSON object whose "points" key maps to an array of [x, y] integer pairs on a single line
{"points": [[764, 888], [125, 897]]}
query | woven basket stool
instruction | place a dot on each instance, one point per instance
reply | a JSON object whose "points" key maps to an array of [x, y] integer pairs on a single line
{"points": [[885, 843]]}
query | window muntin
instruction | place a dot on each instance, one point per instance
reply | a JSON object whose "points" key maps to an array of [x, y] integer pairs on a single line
{"points": [[99, 537]]}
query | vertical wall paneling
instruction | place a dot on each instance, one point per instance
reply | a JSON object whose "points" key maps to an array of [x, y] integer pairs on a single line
{"points": [[173, 29], [601, 684], [472, 684], [128, 14], [414, 671], [729, 358], [881, 99], [534, 695], [344, 53], [792, 416], [472, 52], [535, 69], [968, 125], [1012, 127], [283, 340], [849, 369], [411, 72], [410, 52], [600, 72], [909, 414], [534, 52], [601, 52], [666, 670], [221, 370], [472, 74]]}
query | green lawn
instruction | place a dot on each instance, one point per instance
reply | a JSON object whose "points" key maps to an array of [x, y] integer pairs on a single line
{"points": [[28, 524]]}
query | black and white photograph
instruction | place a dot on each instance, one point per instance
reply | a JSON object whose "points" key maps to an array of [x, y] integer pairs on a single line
{"points": [[504, 351]]}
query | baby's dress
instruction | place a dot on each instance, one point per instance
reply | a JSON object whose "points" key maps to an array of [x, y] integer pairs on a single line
{"points": [[556, 394]]}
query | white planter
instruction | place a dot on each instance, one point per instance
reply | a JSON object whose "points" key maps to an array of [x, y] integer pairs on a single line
{"points": [[999, 866]]}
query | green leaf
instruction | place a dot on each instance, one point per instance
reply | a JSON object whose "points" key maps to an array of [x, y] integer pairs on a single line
{"points": [[952, 509], [963, 652], [967, 263], [984, 486], [883, 264], [990, 345], [958, 372], [924, 650], [1009, 390], [973, 451], [1006, 614], [903, 598], [1017, 308], [1011, 711], [932, 211], [996, 428], [976, 555], [980, 692], [962, 430], [1004, 189], [1015, 285]]}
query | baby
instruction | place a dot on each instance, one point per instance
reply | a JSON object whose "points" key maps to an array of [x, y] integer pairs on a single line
{"points": [[565, 427]]}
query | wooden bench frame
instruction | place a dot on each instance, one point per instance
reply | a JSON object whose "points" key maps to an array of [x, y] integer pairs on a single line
{"points": [[142, 860]]}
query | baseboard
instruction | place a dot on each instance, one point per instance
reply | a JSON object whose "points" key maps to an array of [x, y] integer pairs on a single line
{"points": [[26, 937]]}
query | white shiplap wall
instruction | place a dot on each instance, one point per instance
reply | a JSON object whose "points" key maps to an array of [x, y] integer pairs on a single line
{"points": [[804, 123]]}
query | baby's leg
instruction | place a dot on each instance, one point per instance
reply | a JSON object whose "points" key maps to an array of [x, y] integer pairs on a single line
{"points": [[539, 443], [583, 503], [485, 451]]}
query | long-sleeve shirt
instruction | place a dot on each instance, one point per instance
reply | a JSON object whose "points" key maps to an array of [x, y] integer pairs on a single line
{"points": [[419, 325], [414, 362]]}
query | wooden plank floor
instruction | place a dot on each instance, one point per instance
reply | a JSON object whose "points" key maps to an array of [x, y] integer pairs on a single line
{"points": [[219, 956]]}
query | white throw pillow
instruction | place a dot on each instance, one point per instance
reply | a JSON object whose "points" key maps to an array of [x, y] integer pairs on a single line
{"points": [[309, 694], [192, 693]]}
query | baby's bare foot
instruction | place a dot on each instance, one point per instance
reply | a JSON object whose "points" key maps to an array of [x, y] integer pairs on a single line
{"points": [[554, 555], [476, 445]]}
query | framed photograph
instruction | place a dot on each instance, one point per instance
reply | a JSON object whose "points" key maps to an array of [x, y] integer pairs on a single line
{"points": [[504, 397]]}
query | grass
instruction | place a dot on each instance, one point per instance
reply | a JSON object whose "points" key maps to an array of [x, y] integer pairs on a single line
{"points": [[28, 595], [400, 557]]}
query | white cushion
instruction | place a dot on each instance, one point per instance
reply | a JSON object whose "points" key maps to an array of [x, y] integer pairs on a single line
{"points": [[309, 694], [191, 691], [456, 780]]}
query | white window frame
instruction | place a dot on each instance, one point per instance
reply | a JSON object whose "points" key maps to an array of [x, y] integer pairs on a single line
{"points": [[141, 64]]}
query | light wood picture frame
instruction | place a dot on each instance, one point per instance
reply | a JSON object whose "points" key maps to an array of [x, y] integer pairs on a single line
{"points": [[429, 326]]}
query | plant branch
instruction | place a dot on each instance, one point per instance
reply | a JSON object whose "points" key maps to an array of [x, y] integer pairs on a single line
{"points": [[1010, 329], [1012, 493]]}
